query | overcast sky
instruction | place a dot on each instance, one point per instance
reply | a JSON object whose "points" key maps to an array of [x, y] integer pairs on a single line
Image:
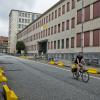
{"points": [[37, 6]]}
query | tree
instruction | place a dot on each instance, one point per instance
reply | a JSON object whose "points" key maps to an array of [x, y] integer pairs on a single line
{"points": [[20, 46]]}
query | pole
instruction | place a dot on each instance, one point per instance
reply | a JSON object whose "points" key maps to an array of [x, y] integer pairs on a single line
{"points": [[82, 27]]}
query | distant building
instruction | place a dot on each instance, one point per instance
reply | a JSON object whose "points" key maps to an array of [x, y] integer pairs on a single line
{"points": [[17, 21], [3, 44]]}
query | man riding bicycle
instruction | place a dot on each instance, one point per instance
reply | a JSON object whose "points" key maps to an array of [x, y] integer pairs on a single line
{"points": [[79, 61]]}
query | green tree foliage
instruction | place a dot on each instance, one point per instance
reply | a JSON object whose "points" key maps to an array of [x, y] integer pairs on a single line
{"points": [[20, 46]]}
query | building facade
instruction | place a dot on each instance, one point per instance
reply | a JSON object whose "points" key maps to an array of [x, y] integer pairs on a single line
{"points": [[70, 26], [17, 21], [3, 44]]}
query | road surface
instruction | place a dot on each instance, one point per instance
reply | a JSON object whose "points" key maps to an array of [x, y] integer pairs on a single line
{"points": [[36, 81]]}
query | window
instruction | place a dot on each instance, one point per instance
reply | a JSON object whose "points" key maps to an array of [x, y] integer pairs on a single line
{"points": [[51, 44], [58, 28], [55, 29], [49, 17], [68, 6], [63, 9], [73, 4], [48, 45], [78, 40], [52, 15], [86, 39], [73, 22], [62, 43], [79, 16], [72, 42], [55, 13], [46, 19], [28, 15], [19, 19], [67, 43], [58, 44], [51, 30], [22, 20], [54, 44], [67, 25], [63, 26], [59, 12], [96, 9], [87, 13], [96, 38], [48, 31]]}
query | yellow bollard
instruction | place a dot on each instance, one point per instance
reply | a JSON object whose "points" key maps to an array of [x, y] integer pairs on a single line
{"points": [[52, 62], [2, 78], [61, 64], [93, 71], [10, 95]]}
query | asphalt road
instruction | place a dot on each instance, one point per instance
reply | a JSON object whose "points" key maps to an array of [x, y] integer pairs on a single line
{"points": [[36, 81]]}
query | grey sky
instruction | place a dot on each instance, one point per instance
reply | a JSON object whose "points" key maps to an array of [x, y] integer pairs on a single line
{"points": [[37, 6]]}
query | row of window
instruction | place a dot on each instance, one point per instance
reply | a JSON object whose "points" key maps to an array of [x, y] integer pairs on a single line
{"points": [[24, 20], [60, 44], [21, 26], [96, 14], [61, 27], [24, 14]]}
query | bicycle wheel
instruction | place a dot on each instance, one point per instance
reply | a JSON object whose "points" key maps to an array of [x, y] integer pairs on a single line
{"points": [[85, 76], [75, 75]]}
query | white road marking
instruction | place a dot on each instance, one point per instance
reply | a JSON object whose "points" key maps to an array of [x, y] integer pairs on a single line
{"points": [[64, 69]]}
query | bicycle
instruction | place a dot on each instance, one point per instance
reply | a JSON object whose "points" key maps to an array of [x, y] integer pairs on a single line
{"points": [[83, 74]]}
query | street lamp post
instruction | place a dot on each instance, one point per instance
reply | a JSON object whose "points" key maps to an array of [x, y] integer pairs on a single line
{"points": [[82, 27]]}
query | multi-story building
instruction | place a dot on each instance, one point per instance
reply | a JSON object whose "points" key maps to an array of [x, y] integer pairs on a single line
{"points": [[17, 21], [3, 44], [70, 26]]}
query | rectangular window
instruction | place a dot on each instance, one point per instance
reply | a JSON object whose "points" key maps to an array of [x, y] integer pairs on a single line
{"points": [[63, 26], [59, 28], [48, 31], [58, 44], [51, 44], [48, 45], [67, 25], [78, 40], [73, 4], [73, 22], [19, 19], [68, 6], [96, 38], [96, 9], [55, 13], [51, 30], [52, 15], [86, 39], [87, 13], [79, 16], [62, 43], [63, 9], [59, 12], [49, 17], [46, 19], [67, 43], [72, 42], [54, 44], [55, 29]]}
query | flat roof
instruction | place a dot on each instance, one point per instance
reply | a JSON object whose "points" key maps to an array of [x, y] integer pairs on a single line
{"points": [[21, 11]]}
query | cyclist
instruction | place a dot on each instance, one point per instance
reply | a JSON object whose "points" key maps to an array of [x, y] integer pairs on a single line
{"points": [[79, 61]]}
